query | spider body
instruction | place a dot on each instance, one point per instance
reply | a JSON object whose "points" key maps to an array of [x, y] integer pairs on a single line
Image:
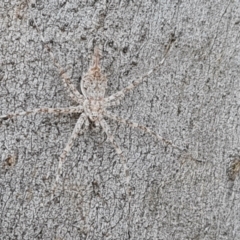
{"points": [[93, 87], [92, 106]]}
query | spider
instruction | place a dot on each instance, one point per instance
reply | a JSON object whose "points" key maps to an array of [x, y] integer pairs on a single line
{"points": [[92, 106]]}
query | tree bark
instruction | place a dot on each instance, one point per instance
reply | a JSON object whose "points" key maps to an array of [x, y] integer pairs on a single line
{"points": [[192, 99]]}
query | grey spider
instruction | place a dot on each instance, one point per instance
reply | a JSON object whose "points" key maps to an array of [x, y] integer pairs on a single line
{"points": [[92, 107]]}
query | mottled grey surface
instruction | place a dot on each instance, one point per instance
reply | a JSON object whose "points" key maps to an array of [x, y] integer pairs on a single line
{"points": [[192, 100]]}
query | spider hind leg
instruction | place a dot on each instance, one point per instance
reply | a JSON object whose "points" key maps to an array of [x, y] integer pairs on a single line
{"points": [[119, 152], [77, 130], [142, 128]]}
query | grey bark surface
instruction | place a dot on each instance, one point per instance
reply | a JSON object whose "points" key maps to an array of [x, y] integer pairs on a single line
{"points": [[192, 100]]}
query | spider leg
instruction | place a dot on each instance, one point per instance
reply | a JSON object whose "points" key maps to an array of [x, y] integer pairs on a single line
{"points": [[115, 99], [71, 89], [77, 130], [68, 110], [96, 57], [118, 150], [141, 127]]}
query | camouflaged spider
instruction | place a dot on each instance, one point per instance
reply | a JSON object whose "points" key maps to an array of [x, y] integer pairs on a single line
{"points": [[92, 107]]}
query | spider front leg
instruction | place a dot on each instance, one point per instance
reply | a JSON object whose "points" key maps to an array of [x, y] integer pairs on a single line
{"points": [[68, 110], [71, 89], [115, 99], [141, 127], [118, 150], [77, 130]]}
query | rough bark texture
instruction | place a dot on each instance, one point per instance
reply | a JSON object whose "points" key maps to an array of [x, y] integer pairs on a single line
{"points": [[193, 100]]}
